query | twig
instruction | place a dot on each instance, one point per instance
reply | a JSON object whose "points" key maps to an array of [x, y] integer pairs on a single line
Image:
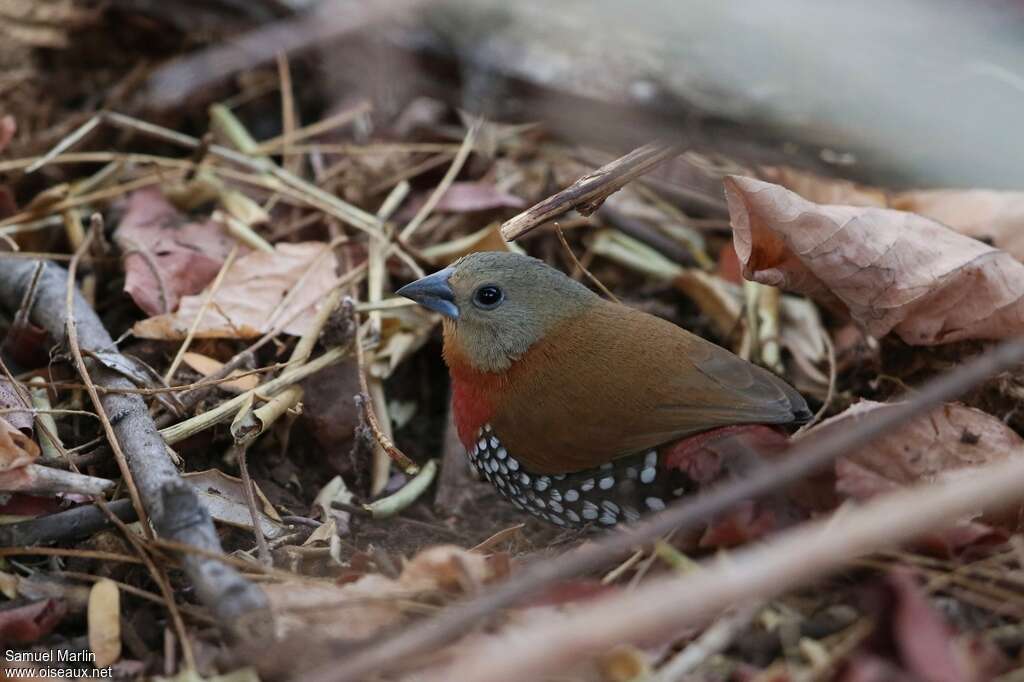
{"points": [[36, 479], [241, 452], [588, 193], [366, 403], [664, 605], [803, 459], [73, 524], [578, 264], [342, 118], [71, 331]]}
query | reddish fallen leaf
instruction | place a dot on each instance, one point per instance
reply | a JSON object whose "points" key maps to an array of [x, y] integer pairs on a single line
{"points": [[892, 271], [30, 622], [567, 592], [167, 255], [249, 300], [467, 197]]}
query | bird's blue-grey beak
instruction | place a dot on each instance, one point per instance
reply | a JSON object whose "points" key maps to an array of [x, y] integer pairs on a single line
{"points": [[433, 292]]}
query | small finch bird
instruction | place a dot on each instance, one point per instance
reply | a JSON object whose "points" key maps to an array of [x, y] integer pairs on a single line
{"points": [[570, 404]]}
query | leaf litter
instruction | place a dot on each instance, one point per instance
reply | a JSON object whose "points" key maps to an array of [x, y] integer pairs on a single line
{"points": [[861, 269]]}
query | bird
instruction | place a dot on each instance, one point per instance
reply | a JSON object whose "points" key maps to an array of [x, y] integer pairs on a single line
{"points": [[571, 404]]}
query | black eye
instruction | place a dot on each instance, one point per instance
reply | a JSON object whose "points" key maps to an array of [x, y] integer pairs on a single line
{"points": [[488, 296]]}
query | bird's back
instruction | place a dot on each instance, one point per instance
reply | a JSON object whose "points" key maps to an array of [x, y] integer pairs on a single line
{"points": [[614, 381]]}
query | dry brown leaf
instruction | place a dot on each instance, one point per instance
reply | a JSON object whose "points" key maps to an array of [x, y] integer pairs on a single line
{"points": [[247, 304], [825, 190], [989, 215], [948, 443], [224, 496], [893, 271], [104, 616], [207, 366], [185, 254], [16, 449], [993, 216]]}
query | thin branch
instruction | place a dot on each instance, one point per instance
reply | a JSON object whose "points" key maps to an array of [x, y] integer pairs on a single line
{"points": [[71, 331], [576, 261], [588, 193], [74, 524]]}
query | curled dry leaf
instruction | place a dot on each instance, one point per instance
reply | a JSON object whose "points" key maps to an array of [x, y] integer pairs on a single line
{"points": [[249, 300], [16, 449], [166, 255], [893, 271]]}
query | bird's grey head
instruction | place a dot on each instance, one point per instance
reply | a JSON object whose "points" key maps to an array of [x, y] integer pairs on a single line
{"points": [[498, 304]]}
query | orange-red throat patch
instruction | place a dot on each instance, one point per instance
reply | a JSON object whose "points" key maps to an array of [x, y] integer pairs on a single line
{"points": [[473, 392]]}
